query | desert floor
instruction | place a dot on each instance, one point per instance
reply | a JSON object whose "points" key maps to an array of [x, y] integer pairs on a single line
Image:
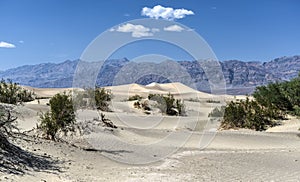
{"points": [[155, 147]]}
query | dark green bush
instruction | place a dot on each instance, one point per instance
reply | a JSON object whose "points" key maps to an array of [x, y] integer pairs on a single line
{"points": [[284, 96], [296, 110], [61, 116], [272, 102], [246, 114], [272, 97], [291, 90]]}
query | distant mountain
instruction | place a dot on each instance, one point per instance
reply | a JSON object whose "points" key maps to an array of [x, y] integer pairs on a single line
{"points": [[42, 75], [241, 77]]}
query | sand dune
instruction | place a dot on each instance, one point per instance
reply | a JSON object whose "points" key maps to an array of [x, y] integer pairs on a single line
{"points": [[179, 90], [49, 92], [166, 148]]}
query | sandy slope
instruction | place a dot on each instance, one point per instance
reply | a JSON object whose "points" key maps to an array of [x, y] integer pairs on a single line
{"points": [[156, 147], [49, 92]]}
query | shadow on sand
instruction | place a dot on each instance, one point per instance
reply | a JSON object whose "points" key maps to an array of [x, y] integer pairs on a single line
{"points": [[113, 152], [14, 160]]}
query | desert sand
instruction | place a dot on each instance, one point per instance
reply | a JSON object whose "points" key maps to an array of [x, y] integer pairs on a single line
{"points": [[155, 147]]}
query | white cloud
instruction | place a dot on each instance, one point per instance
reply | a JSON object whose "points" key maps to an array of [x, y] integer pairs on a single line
{"points": [[166, 13], [155, 30], [135, 30], [173, 28], [21, 42], [6, 45]]}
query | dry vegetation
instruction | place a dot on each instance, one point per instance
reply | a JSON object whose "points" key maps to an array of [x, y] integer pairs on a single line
{"points": [[271, 102]]}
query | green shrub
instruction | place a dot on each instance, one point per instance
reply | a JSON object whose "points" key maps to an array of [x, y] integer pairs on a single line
{"points": [[92, 98], [296, 110], [12, 93], [272, 96], [246, 114], [135, 97], [61, 116], [168, 104], [291, 90], [272, 102], [48, 125], [102, 97], [283, 97]]}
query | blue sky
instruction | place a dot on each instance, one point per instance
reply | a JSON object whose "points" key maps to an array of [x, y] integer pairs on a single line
{"points": [[35, 31]]}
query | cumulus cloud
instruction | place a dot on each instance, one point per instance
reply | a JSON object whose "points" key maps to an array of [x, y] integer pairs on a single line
{"points": [[173, 28], [136, 30], [166, 13], [6, 45]]}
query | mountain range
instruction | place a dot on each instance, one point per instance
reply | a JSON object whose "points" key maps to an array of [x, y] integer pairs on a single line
{"points": [[241, 77]]}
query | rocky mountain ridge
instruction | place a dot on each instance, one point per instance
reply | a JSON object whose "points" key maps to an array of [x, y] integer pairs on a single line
{"points": [[241, 77]]}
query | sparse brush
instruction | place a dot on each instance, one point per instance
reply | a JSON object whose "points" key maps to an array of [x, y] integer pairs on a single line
{"points": [[135, 97], [168, 104], [213, 101], [97, 98], [7, 120], [137, 105], [272, 102], [102, 97], [193, 100], [12, 93]]}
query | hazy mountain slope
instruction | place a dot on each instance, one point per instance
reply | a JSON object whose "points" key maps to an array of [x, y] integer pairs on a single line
{"points": [[241, 77], [42, 75]]}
